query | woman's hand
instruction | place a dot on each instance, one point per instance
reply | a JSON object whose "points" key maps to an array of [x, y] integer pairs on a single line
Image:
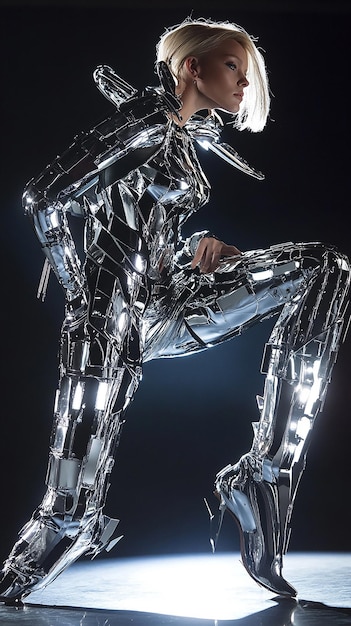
{"points": [[209, 253]]}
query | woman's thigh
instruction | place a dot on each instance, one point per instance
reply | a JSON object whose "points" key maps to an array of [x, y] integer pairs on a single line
{"points": [[243, 291]]}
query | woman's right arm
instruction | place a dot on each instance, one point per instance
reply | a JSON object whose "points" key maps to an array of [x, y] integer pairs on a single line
{"points": [[119, 144]]}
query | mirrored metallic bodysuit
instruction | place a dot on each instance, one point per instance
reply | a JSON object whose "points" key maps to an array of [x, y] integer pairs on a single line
{"points": [[135, 179]]}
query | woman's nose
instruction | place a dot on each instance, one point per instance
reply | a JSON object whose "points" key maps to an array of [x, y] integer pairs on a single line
{"points": [[243, 82]]}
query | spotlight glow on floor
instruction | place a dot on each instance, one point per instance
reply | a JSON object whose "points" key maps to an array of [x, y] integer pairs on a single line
{"points": [[195, 586]]}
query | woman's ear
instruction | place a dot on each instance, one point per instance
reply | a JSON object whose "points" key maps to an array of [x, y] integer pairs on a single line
{"points": [[191, 67]]}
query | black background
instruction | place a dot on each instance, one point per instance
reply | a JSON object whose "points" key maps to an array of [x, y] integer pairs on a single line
{"points": [[191, 416]]}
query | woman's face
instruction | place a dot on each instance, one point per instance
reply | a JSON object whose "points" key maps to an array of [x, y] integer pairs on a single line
{"points": [[221, 76]]}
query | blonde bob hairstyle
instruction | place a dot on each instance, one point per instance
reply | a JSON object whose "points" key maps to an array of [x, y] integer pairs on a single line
{"points": [[197, 37]]}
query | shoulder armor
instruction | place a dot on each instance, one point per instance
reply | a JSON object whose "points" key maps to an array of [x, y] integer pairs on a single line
{"points": [[130, 136], [117, 90], [112, 86]]}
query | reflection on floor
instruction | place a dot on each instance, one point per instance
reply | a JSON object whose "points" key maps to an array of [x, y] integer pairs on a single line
{"points": [[189, 590]]}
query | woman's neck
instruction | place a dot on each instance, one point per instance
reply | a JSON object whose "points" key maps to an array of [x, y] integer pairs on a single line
{"points": [[189, 102]]}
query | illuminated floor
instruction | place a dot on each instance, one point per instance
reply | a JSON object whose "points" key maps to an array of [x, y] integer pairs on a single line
{"points": [[189, 590]]}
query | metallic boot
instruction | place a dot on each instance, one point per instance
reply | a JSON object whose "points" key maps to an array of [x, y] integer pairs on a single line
{"points": [[259, 490], [254, 503], [69, 522], [48, 546]]}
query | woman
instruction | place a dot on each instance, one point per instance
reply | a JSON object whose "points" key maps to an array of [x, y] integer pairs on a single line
{"points": [[141, 293]]}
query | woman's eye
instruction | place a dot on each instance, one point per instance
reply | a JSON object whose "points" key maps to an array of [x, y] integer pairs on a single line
{"points": [[232, 66]]}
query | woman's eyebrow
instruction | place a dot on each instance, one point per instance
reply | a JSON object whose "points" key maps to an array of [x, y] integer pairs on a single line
{"points": [[233, 56]]}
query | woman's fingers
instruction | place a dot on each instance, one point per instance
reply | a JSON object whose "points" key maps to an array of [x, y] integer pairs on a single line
{"points": [[209, 253]]}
